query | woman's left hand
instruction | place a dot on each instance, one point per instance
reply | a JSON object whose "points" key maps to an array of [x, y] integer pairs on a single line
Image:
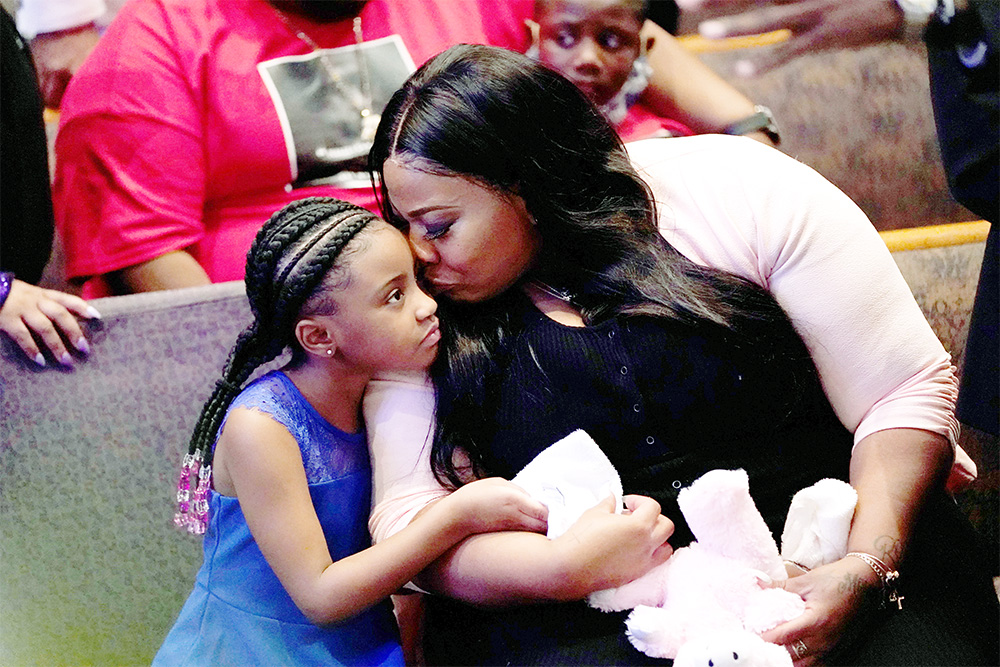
{"points": [[836, 596], [31, 314]]}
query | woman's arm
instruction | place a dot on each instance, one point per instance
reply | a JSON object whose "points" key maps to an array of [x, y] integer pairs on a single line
{"points": [[172, 270], [894, 471], [130, 181], [259, 462], [734, 205]]}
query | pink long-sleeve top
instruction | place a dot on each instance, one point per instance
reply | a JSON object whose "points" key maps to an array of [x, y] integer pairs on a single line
{"points": [[735, 204]]}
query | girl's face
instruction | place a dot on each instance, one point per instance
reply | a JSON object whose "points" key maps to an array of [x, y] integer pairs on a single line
{"points": [[593, 43], [384, 321], [472, 242]]}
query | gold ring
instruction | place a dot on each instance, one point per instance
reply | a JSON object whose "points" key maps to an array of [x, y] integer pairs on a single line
{"points": [[800, 649]]}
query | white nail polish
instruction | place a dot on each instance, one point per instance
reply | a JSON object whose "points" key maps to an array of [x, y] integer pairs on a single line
{"points": [[92, 313], [66, 359], [83, 346], [39, 359]]}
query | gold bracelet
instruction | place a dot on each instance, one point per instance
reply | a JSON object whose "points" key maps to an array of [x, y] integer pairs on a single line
{"points": [[888, 576]]}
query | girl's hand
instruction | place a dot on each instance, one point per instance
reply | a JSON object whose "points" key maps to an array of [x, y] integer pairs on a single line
{"points": [[495, 504], [607, 549], [836, 596], [32, 312]]}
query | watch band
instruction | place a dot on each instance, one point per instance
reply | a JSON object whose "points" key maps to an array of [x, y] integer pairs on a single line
{"points": [[761, 120]]}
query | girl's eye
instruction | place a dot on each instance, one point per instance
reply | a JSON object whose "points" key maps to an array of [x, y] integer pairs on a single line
{"points": [[395, 296]]}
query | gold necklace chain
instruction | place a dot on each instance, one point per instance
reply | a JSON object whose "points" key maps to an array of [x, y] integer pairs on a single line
{"points": [[369, 120]]}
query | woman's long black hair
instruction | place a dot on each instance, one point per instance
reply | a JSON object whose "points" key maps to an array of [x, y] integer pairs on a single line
{"points": [[515, 126], [292, 254]]}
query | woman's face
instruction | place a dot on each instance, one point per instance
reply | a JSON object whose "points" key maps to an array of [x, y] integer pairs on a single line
{"points": [[472, 242]]}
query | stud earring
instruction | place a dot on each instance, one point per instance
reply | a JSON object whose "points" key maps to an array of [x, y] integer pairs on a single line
{"points": [[329, 351]]}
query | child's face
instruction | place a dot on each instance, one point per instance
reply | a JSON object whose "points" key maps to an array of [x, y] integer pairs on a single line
{"points": [[591, 42], [384, 321]]}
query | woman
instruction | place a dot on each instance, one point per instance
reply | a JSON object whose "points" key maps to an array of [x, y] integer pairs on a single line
{"points": [[584, 288]]}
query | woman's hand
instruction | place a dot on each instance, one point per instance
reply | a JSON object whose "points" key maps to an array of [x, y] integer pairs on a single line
{"points": [[603, 549], [31, 312], [837, 596], [495, 504], [815, 25]]}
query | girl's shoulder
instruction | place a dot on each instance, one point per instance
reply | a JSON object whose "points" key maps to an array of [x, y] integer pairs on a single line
{"points": [[272, 393], [327, 452]]}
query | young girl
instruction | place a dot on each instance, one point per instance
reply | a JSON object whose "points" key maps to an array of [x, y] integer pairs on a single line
{"points": [[289, 576]]}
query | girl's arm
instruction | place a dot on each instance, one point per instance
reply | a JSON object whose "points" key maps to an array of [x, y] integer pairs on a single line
{"points": [[601, 550], [259, 462]]}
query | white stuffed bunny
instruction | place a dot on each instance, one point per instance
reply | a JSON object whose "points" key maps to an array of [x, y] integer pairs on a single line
{"points": [[713, 597], [719, 583]]}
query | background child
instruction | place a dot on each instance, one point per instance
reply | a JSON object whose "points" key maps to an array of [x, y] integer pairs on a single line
{"points": [[289, 576], [596, 45]]}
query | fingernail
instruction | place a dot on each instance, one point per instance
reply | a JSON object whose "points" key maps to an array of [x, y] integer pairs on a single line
{"points": [[66, 359], [83, 346], [744, 68], [712, 29], [92, 313], [39, 359]]}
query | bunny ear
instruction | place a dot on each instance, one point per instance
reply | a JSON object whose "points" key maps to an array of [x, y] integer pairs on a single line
{"points": [[722, 516]]}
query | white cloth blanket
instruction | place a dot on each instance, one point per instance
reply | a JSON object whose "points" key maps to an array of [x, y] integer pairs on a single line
{"points": [[569, 478]]}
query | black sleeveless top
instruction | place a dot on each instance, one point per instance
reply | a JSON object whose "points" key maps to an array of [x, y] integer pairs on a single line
{"points": [[666, 402]]}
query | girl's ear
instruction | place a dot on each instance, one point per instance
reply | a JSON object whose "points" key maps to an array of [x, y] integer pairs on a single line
{"points": [[315, 337]]}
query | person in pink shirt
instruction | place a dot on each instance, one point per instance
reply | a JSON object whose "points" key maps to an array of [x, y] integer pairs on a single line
{"points": [[193, 120]]}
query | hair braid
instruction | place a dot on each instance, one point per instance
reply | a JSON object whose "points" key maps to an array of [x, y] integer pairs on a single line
{"points": [[291, 254]]}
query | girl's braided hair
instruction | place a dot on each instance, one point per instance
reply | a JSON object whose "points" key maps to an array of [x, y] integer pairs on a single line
{"points": [[286, 265]]}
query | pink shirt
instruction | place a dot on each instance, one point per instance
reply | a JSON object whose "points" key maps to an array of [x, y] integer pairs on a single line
{"points": [[735, 204], [170, 139], [641, 123]]}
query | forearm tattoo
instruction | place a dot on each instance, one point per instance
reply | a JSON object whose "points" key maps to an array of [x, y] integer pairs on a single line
{"points": [[889, 549]]}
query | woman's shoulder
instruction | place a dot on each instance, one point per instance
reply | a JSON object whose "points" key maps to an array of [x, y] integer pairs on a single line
{"points": [[712, 152]]}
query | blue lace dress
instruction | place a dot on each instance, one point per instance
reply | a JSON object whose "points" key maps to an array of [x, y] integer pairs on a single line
{"points": [[238, 612]]}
